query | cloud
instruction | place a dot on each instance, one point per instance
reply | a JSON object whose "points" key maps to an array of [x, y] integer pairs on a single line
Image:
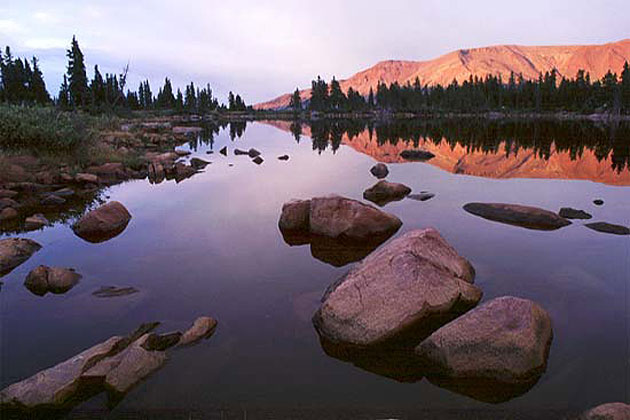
{"points": [[10, 27]]}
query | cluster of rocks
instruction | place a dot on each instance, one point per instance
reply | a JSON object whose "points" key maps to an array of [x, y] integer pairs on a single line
{"points": [[114, 366], [165, 166], [57, 280], [408, 311], [340, 230], [252, 153], [539, 219], [384, 192]]}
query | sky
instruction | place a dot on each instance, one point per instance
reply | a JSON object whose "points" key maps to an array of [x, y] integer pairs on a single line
{"points": [[262, 49]]}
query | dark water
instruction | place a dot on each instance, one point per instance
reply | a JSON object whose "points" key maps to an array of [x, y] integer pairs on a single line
{"points": [[211, 245]]}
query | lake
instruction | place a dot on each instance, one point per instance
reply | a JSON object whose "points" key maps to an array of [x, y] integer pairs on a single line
{"points": [[210, 245]]}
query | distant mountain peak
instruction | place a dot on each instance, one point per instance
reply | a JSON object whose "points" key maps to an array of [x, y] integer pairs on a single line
{"points": [[494, 60]]}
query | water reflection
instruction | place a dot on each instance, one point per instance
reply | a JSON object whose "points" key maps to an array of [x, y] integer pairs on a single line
{"points": [[495, 149]]}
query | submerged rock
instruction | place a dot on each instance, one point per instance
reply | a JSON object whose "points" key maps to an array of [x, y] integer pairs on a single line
{"points": [[103, 223], [417, 154], [161, 342], [570, 213], [423, 196], [384, 192], [518, 215], [57, 280], [198, 163], [15, 251], [609, 411], [113, 291], [399, 293], [379, 170], [202, 328], [608, 228], [492, 353]]}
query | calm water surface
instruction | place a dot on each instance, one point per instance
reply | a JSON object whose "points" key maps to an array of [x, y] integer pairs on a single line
{"points": [[211, 245]]}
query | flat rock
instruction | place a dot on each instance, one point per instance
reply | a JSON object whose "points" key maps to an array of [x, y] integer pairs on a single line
{"points": [[8, 202], [52, 200], [608, 228], [103, 223], [571, 213], [36, 221], [379, 170], [518, 215], [401, 292], [56, 386], [384, 192], [609, 411], [15, 251], [57, 280], [416, 154], [202, 328], [8, 193], [84, 178], [113, 291], [423, 196], [492, 353]]}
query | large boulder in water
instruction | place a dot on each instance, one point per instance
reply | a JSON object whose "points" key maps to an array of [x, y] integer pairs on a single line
{"points": [[384, 192], [15, 251], [103, 223], [401, 292], [609, 411], [492, 353], [57, 280], [517, 215]]}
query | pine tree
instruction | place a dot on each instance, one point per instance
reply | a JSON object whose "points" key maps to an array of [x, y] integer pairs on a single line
{"points": [[296, 101], [77, 78], [337, 99], [63, 99], [625, 88], [37, 85], [97, 88]]}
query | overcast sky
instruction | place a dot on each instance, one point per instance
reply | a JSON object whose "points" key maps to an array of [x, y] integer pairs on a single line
{"points": [[264, 48]]}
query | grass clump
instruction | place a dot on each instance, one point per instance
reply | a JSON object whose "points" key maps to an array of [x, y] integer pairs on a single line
{"points": [[42, 128]]}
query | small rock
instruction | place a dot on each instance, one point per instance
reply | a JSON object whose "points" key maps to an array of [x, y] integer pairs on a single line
{"points": [[239, 152], [86, 178], [15, 251], [517, 215], [34, 222], [198, 163], [161, 342], [182, 153], [43, 279], [224, 151], [113, 291], [384, 192], [253, 153], [103, 223], [8, 202], [8, 193], [203, 327], [283, 157], [608, 228], [52, 200], [418, 155], [570, 213], [609, 411], [258, 160], [8, 213], [379, 170], [598, 202], [209, 152], [64, 192], [423, 196]]}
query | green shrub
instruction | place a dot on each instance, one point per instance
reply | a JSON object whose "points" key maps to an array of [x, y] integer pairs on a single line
{"points": [[42, 128]]}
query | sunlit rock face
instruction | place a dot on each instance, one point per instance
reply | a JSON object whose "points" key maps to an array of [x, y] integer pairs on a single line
{"points": [[501, 60], [404, 290]]}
